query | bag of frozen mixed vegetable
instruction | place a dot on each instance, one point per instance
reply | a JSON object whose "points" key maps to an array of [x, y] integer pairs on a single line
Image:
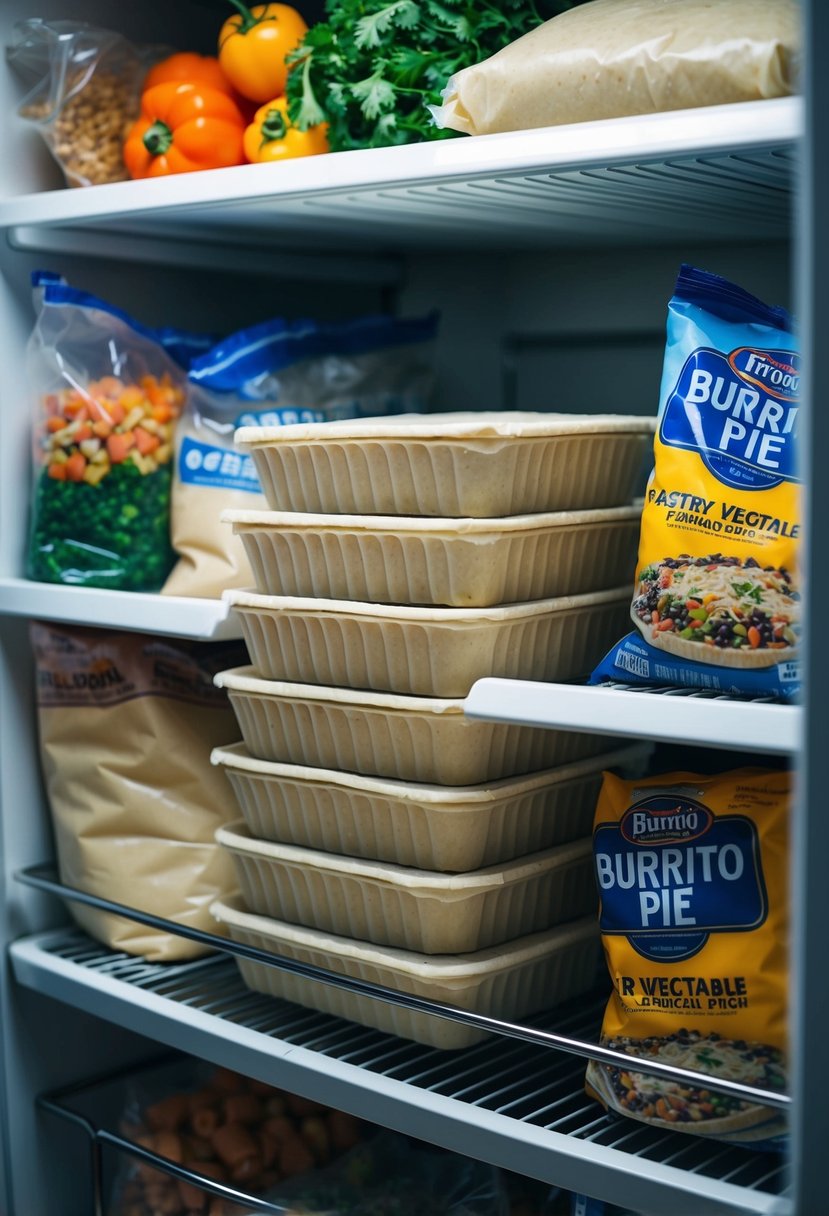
{"points": [[108, 396], [717, 599], [692, 873], [275, 374]]}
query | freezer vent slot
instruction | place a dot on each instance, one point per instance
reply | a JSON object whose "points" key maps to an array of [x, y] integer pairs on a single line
{"points": [[730, 196], [529, 1084]]}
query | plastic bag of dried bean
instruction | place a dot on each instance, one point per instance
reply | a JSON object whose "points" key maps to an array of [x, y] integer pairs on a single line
{"points": [[85, 93]]}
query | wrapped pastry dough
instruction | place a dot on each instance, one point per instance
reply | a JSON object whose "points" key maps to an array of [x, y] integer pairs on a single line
{"points": [[612, 58]]}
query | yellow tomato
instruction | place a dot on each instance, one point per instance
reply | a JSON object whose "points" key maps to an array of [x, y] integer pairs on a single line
{"points": [[271, 136], [253, 44]]}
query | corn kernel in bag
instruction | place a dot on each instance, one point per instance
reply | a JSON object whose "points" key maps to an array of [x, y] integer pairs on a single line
{"points": [[692, 874], [717, 599]]}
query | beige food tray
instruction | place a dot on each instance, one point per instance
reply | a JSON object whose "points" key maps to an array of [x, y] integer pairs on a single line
{"points": [[432, 827], [477, 465], [424, 739], [392, 905], [460, 563], [432, 652], [509, 981]]}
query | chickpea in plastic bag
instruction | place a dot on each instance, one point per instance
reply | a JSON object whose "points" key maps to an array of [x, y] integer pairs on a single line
{"points": [[85, 94]]}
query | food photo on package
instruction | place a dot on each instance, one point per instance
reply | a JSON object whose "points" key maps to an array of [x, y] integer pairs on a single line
{"points": [[692, 872], [717, 595]]}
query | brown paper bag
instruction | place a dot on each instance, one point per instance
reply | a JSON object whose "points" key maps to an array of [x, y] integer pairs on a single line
{"points": [[127, 723]]}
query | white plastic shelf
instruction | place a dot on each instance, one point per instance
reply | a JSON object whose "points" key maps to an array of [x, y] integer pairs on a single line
{"points": [[518, 1106], [722, 172], [689, 716], [206, 620]]}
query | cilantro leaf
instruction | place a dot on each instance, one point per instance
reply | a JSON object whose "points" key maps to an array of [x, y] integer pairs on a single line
{"points": [[375, 95], [370, 29], [372, 67]]}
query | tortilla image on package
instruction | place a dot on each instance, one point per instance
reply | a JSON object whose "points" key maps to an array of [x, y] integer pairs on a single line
{"points": [[692, 874], [717, 596], [744, 615]]}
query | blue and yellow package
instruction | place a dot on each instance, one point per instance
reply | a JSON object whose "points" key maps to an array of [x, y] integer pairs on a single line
{"points": [[717, 598]]}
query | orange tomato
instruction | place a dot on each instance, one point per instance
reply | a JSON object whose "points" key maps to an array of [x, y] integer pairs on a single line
{"points": [[186, 67], [253, 44], [271, 137], [184, 127]]}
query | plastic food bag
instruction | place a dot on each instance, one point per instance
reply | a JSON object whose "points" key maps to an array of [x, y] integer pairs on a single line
{"points": [[127, 723], [717, 597], [390, 1175], [619, 57], [693, 877], [86, 94], [107, 399], [231, 1129], [277, 373], [182, 345]]}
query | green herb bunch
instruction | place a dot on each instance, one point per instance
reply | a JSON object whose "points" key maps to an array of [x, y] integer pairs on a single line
{"points": [[371, 70]]}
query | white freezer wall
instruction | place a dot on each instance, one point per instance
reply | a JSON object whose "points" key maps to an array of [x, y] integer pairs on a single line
{"points": [[573, 330], [510, 326], [477, 326]]}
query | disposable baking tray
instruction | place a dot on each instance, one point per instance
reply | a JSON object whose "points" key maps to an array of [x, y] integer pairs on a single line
{"points": [[423, 739], [509, 981], [393, 905], [432, 652], [477, 465], [431, 827], [460, 563]]}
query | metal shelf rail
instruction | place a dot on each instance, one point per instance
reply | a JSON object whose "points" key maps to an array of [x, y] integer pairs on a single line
{"points": [[530, 1112], [509, 1102], [698, 717]]}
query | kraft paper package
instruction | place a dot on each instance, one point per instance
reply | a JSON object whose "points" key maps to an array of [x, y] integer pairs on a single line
{"points": [[127, 723], [613, 58], [717, 597], [274, 374], [693, 878]]}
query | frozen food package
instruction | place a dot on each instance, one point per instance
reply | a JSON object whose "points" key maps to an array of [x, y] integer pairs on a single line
{"points": [[612, 58], [717, 597], [692, 874], [278, 373], [85, 90], [107, 397], [182, 345], [127, 723], [390, 1173], [226, 1128]]}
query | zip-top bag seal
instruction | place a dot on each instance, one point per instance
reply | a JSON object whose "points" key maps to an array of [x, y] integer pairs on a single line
{"points": [[717, 601], [278, 373]]}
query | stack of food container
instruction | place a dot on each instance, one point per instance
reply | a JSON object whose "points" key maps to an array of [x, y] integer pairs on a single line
{"points": [[385, 835]]}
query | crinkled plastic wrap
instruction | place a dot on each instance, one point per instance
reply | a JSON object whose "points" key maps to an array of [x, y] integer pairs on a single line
{"points": [[275, 374], [392, 1174], [127, 724], [86, 93], [612, 58], [108, 394]]}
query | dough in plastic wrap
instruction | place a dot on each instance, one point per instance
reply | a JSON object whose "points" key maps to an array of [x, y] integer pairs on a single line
{"points": [[612, 58]]}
